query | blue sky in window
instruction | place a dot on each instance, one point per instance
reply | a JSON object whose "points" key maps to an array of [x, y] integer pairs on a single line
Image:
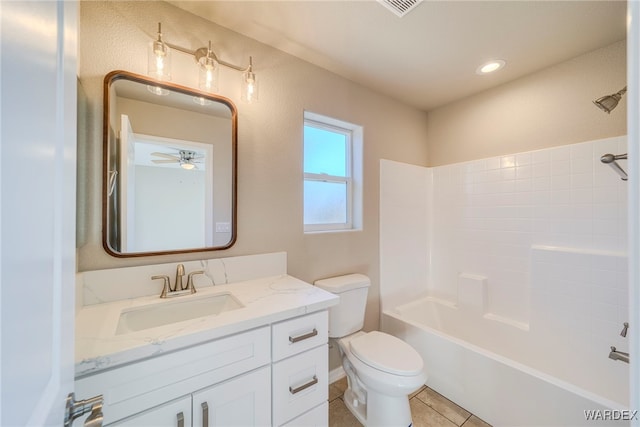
{"points": [[324, 151]]}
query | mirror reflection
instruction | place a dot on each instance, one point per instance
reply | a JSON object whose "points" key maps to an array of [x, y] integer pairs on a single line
{"points": [[169, 168]]}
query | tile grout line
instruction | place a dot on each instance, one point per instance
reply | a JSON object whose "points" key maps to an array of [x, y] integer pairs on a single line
{"points": [[448, 400]]}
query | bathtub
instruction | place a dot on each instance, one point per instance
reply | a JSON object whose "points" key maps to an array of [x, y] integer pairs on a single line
{"points": [[506, 373]]}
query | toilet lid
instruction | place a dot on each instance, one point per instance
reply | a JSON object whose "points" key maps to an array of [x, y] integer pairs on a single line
{"points": [[387, 353]]}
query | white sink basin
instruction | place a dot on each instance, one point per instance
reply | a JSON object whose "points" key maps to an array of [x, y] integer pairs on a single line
{"points": [[183, 308]]}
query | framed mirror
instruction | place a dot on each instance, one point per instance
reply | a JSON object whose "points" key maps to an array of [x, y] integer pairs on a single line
{"points": [[169, 168]]}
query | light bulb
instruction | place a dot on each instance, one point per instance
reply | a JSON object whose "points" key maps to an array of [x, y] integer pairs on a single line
{"points": [[156, 90], [159, 64], [249, 87], [201, 100], [208, 74], [208, 77], [490, 67]]}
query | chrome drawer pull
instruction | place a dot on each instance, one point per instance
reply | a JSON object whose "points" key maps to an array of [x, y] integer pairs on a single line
{"points": [[180, 419], [205, 414], [303, 337], [314, 381]]}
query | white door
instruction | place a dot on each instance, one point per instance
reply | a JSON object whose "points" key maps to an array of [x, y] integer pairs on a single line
{"points": [[633, 127], [127, 186], [37, 209]]}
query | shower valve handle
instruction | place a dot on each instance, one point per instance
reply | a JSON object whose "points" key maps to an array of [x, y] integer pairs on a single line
{"points": [[625, 327]]}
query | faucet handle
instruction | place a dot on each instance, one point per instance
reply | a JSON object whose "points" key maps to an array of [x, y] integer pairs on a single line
{"points": [[625, 327], [190, 284], [165, 287], [178, 286]]}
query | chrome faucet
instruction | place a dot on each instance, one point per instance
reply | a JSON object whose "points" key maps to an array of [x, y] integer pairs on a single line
{"points": [[618, 355], [178, 289]]}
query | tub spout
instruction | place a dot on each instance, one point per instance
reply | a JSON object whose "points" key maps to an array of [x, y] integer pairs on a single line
{"points": [[618, 355]]}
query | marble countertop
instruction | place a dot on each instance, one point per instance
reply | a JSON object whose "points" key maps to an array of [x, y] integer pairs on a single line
{"points": [[266, 300]]}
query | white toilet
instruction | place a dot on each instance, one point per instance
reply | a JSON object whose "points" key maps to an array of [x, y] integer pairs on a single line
{"points": [[382, 370]]}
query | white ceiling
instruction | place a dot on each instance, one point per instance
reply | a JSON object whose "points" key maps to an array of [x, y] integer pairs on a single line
{"points": [[428, 57]]}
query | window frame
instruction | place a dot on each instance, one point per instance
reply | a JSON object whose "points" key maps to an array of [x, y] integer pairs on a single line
{"points": [[353, 135]]}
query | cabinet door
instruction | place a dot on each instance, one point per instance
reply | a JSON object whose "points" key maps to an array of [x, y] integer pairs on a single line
{"points": [[176, 413], [242, 401]]}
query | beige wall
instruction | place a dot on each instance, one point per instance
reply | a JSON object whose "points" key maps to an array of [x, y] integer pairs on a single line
{"points": [[545, 109], [551, 107], [114, 35]]}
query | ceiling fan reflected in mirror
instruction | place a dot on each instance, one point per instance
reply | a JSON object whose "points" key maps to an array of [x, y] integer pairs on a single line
{"points": [[187, 159]]}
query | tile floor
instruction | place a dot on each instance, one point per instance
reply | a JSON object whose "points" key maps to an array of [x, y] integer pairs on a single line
{"points": [[428, 409]]}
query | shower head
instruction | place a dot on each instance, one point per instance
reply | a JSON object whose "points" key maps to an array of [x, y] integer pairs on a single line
{"points": [[609, 102]]}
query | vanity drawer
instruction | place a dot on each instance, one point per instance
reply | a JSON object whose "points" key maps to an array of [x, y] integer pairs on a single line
{"points": [[317, 417], [145, 384], [300, 334], [299, 384], [169, 414]]}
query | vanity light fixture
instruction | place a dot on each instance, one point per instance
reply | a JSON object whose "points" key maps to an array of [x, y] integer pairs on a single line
{"points": [[249, 84], [159, 58], [490, 67], [208, 74], [208, 64]]}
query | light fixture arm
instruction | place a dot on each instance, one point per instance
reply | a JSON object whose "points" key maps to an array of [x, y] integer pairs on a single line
{"points": [[202, 52], [207, 62]]}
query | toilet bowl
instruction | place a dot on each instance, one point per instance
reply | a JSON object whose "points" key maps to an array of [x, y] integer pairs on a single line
{"points": [[382, 370]]}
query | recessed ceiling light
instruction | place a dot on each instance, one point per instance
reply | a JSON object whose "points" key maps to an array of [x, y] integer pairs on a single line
{"points": [[490, 67]]}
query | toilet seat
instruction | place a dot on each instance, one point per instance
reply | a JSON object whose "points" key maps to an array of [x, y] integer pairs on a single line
{"points": [[386, 353]]}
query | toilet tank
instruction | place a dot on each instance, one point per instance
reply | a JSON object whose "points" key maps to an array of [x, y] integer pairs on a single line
{"points": [[348, 316]]}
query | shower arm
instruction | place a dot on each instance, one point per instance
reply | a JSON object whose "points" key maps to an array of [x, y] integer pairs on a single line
{"points": [[610, 159]]}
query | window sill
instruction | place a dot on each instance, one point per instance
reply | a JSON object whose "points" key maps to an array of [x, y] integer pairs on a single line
{"points": [[346, 230]]}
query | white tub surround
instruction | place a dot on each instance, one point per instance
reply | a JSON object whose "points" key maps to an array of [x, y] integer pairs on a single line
{"points": [[522, 257], [264, 362]]}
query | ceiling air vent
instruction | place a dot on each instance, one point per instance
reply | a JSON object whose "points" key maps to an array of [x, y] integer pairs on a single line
{"points": [[400, 7]]}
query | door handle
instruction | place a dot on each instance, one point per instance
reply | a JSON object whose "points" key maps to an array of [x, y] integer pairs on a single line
{"points": [[75, 409], [180, 417]]}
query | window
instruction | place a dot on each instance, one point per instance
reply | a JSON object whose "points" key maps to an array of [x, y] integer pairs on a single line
{"points": [[332, 174]]}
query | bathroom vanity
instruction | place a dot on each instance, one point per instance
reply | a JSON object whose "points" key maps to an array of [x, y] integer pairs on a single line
{"points": [[259, 359]]}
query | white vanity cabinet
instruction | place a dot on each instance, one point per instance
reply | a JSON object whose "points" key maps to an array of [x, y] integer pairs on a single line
{"points": [[273, 375], [143, 390], [300, 370], [176, 413], [241, 401]]}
